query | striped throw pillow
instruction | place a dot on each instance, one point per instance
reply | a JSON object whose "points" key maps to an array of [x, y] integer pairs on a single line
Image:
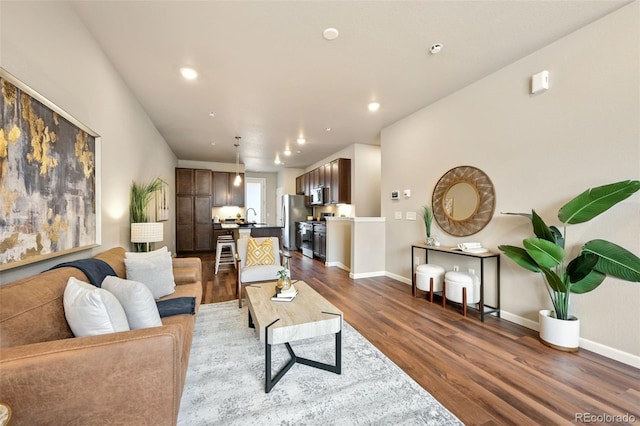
{"points": [[260, 253]]}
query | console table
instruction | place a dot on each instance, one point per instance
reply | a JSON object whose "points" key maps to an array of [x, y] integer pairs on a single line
{"points": [[484, 309]]}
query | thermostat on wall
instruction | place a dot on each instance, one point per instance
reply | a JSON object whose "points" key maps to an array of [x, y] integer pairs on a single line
{"points": [[540, 82], [395, 195]]}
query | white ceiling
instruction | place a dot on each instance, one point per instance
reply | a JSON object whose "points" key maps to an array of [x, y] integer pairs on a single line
{"points": [[270, 77]]}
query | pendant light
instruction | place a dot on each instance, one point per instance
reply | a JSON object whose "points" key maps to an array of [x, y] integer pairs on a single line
{"points": [[238, 180]]}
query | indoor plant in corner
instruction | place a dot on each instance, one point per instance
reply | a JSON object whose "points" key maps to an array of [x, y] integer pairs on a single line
{"points": [[545, 254]]}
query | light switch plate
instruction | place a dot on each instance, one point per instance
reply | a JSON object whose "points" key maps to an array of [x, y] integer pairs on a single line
{"points": [[411, 216], [397, 215], [406, 193]]}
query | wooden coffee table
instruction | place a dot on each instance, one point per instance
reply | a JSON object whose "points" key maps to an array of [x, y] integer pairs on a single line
{"points": [[308, 315]]}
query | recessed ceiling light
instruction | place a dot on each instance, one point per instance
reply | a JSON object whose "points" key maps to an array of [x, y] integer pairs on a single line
{"points": [[327, 129], [189, 73], [212, 114], [330, 34], [373, 106], [301, 141], [287, 152], [213, 144], [435, 48]]}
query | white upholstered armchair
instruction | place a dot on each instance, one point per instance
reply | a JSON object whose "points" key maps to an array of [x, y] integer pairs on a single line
{"points": [[255, 263]]}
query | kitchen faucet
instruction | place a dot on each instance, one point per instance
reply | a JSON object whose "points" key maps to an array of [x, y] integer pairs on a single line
{"points": [[254, 212]]}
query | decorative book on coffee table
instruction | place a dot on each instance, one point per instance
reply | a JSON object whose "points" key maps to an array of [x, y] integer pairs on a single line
{"points": [[285, 295]]}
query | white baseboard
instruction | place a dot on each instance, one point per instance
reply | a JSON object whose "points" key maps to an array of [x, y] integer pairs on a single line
{"points": [[366, 274], [516, 319], [600, 349], [606, 351], [338, 265], [398, 277]]}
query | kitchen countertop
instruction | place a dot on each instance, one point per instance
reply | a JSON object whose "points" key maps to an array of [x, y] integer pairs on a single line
{"points": [[247, 226]]}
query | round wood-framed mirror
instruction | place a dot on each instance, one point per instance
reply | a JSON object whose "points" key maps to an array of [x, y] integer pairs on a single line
{"points": [[463, 201]]}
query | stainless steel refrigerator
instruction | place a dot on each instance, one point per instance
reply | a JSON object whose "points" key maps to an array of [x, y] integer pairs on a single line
{"points": [[293, 210]]}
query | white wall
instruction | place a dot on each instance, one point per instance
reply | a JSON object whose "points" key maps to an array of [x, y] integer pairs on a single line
{"points": [[539, 151], [367, 247], [287, 179], [45, 45], [211, 165], [365, 188], [339, 242]]}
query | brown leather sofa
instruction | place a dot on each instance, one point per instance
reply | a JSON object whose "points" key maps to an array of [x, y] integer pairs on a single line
{"points": [[48, 376]]}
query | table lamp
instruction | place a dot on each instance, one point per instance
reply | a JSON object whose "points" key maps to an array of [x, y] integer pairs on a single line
{"points": [[146, 232]]}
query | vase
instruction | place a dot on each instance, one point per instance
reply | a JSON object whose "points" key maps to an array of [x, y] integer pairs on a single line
{"points": [[559, 334], [284, 283], [432, 241]]}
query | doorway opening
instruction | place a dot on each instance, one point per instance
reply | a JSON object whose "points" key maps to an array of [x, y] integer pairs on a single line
{"points": [[256, 199]]}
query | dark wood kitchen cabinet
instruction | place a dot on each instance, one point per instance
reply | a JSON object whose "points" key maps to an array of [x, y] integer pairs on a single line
{"points": [[315, 178], [320, 241], [225, 193], [307, 184], [340, 189], [193, 210], [185, 229], [299, 189], [335, 176], [220, 188], [236, 193], [326, 175]]}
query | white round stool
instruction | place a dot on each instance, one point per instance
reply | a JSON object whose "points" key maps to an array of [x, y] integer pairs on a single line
{"points": [[228, 257], [461, 287], [429, 277]]}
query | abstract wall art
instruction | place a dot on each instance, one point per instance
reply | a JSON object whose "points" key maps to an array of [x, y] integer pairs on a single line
{"points": [[49, 184]]}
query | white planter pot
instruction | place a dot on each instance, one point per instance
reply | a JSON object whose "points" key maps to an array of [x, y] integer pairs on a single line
{"points": [[559, 334]]}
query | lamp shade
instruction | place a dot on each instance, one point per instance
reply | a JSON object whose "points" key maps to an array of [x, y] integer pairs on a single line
{"points": [[146, 232]]}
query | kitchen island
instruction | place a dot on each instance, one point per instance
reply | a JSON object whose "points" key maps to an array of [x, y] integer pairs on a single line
{"points": [[246, 229]]}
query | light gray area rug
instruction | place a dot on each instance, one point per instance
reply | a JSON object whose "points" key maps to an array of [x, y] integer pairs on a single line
{"points": [[225, 380]]}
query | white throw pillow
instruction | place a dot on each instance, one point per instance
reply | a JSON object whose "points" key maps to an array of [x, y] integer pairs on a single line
{"points": [[91, 310], [137, 301], [147, 254], [155, 272]]}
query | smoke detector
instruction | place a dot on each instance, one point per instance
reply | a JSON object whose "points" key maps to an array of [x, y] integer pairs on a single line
{"points": [[435, 48], [330, 34]]}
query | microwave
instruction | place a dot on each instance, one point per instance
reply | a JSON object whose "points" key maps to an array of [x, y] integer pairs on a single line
{"points": [[317, 196]]}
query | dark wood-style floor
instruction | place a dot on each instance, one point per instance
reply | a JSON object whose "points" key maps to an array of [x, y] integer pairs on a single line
{"points": [[492, 373]]}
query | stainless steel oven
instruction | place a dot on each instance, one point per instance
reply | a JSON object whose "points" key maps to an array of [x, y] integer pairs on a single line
{"points": [[305, 230]]}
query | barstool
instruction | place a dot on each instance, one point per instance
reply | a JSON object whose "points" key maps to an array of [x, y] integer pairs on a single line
{"points": [[228, 257]]}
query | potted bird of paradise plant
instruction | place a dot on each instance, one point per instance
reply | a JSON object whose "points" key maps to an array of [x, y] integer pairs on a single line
{"points": [[546, 254]]}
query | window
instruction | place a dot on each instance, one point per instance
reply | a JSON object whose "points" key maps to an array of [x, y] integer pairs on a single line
{"points": [[255, 198]]}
